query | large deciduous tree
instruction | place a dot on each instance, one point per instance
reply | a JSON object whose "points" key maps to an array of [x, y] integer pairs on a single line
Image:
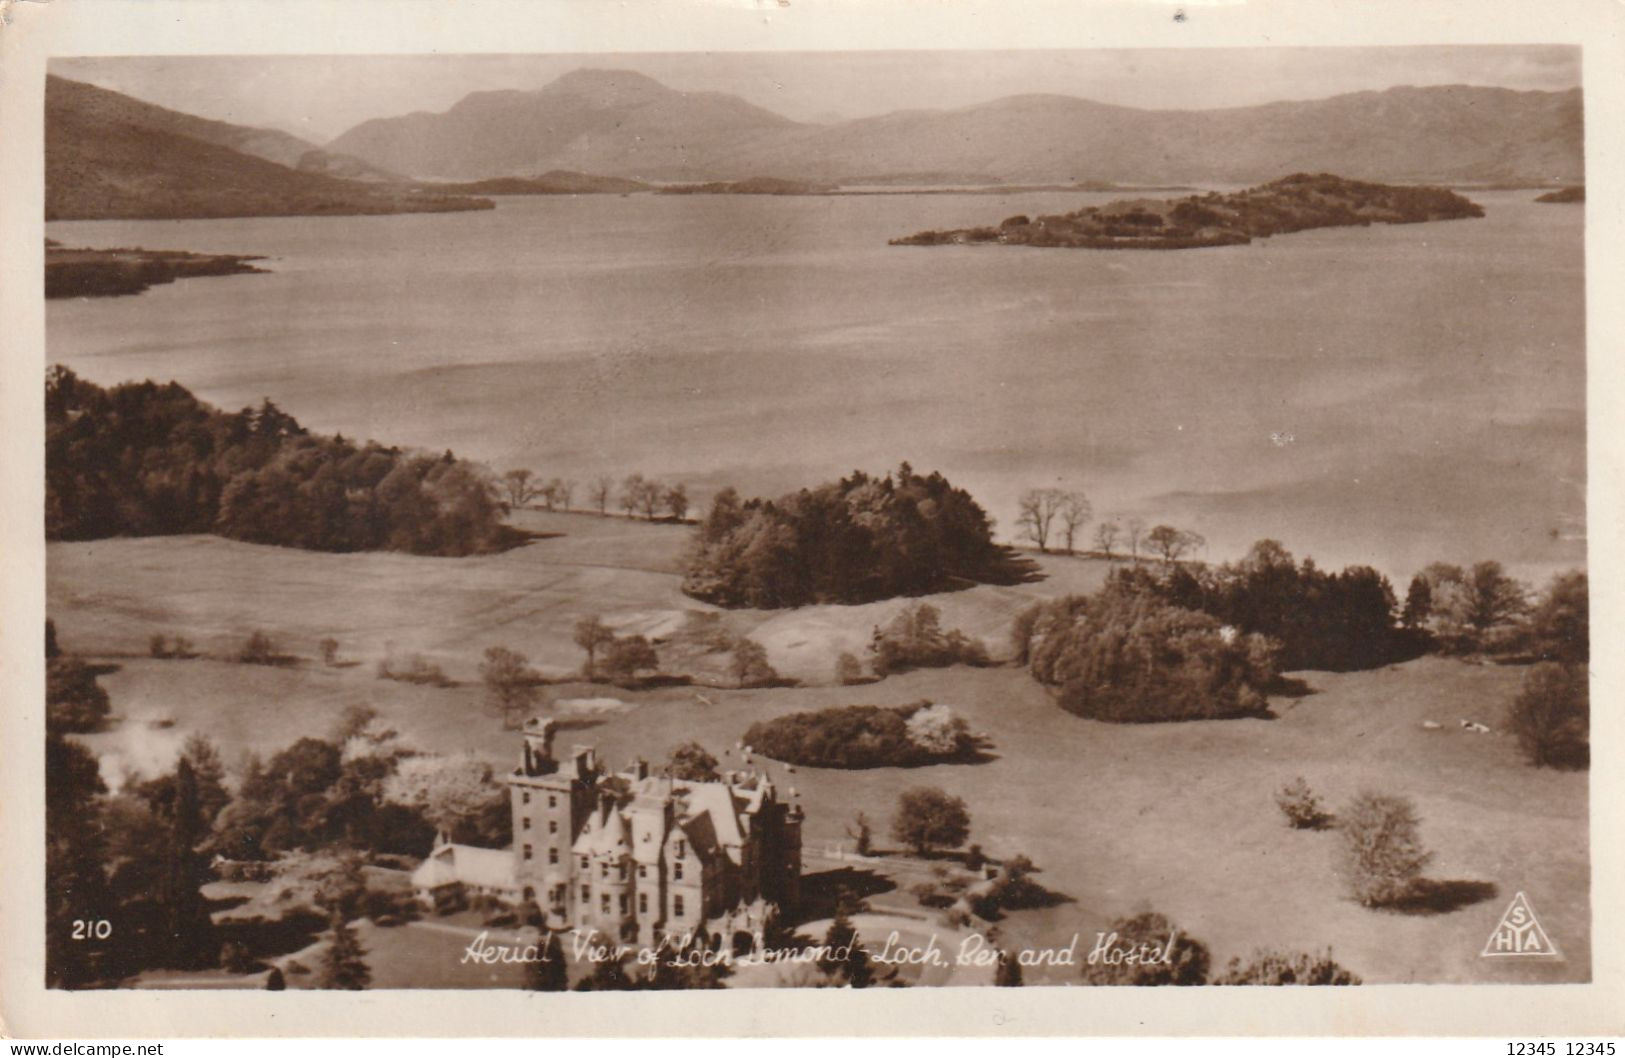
{"points": [[928, 817], [511, 685]]}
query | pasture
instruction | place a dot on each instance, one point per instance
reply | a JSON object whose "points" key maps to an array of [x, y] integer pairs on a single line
{"points": [[1177, 817]]}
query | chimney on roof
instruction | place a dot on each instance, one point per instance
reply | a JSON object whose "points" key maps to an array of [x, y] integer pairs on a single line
{"points": [[537, 756], [586, 759], [640, 768]]}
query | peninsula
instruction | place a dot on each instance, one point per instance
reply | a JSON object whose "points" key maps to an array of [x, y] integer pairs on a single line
{"points": [[84, 273], [1293, 203]]}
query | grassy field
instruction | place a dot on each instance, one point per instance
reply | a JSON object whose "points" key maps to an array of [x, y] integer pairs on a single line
{"points": [[110, 596], [1176, 817]]}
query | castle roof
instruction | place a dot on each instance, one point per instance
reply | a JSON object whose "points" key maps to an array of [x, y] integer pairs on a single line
{"points": [[604, 834], [468, 864]]}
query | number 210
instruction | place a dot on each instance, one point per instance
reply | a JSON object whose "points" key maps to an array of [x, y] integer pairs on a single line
{"points": [[92, 929]]}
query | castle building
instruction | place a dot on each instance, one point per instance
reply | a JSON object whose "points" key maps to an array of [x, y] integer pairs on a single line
{"points": [[634, 855]]}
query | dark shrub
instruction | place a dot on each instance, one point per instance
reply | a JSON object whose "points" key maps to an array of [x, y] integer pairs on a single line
{"points": [[864, 736], [1146, 949], [1301, 807], [259, 649], [1382, 854], [1278, 968], [1552, 716], [415, 668], [914, 639], [931, 895]]}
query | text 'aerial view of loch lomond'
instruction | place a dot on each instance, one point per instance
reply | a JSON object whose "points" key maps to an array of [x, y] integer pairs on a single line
{"points": [[849, 519]]}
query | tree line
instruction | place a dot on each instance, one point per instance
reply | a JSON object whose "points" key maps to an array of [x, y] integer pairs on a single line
{"points": [[1057, 518], [143, 459], [636, 495]]}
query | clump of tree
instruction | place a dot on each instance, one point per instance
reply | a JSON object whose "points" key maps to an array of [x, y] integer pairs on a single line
{"points": [[856, 540], [929, 818], [748, 662], [1382, 855], [136, 859], [1147, 949], [1173, 544], [1551, 716], [914, 639], [866, 736], [1281, 968], [1321, 620], [164, 646], [519, 488], [75, 701], [628, 656], [1559, 625], [1013, 888], [692, 762], [1125, 655], [1049, 516], [260, 649], [594, 637], [451, 792], [1466, 611], [619, 659], [652, 499], [361, 789], [143, 459]]}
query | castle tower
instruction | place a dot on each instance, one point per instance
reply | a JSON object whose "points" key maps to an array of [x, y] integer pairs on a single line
{"points": [[551, 801]]}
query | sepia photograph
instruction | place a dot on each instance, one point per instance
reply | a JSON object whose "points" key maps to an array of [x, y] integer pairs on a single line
{"points": [[876, 518]]}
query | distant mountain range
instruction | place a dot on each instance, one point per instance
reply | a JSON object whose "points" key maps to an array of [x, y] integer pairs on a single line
{"points": [[110, 156], [621, 123]]}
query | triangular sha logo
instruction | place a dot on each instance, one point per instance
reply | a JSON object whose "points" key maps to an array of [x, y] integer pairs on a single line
{"points": [[1520, 933]]}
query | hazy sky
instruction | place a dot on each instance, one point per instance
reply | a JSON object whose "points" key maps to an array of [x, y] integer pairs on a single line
{"points": [[319, 97]]}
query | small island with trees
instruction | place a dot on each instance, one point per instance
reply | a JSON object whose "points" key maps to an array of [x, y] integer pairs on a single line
{"points": [[72, 272], [1293, 203]]}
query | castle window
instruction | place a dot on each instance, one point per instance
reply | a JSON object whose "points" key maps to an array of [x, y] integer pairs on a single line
{"points": [[620, 871], [677, 907], [586, 894], [643, 870], [552, 826], [553, 855], [525, 823], [643, 903], [603, 902], [603, 869], [524, 798], [677, 871], [584, 863], [527, 852], [623, 903], [552, 800], [677, 850]]}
